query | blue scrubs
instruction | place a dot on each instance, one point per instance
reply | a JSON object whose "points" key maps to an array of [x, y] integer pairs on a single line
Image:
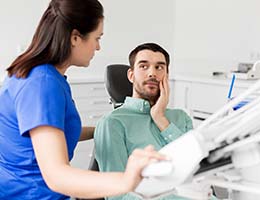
{"points": [[43, 98]]}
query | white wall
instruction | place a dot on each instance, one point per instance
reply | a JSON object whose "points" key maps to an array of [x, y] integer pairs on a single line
{"points": [[215, 34], [202, 36], [18, 20], [127, 23]]}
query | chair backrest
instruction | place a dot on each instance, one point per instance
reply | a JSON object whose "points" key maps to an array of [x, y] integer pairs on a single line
{"points": [[117, 84]]}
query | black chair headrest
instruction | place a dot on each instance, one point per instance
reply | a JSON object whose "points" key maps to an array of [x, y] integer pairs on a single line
{"points": [[117, 84]]}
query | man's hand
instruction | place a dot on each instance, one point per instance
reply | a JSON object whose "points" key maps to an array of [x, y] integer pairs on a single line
{"points": [[158, 109]]}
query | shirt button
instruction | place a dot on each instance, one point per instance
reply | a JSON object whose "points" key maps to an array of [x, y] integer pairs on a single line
{"points": [[170, 136], [166, 138]]}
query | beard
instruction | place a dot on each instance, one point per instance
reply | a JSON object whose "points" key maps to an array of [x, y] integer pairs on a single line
{"points": [[144, 93]]}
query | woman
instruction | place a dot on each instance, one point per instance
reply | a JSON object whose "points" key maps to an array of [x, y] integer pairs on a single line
{"points": [[39, 123]]}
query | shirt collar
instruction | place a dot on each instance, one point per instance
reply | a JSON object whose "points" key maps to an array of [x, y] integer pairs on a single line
{"points": [[137, 104]]}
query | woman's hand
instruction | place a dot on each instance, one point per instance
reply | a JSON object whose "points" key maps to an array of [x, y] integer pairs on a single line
{"points": [[136, 162]]}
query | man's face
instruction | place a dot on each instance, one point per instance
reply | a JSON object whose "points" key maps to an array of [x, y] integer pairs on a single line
{"points": [[149, 69]]}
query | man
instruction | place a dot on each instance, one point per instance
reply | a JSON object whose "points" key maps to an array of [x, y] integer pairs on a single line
{"points": [[143, 119]]}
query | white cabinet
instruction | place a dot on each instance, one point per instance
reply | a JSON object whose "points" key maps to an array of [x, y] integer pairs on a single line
{"points": [[92, 102], [180, 95], [200, 97], [207, 98]]}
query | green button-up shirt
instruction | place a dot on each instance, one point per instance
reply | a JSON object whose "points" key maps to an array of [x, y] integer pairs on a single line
{"points": [[131, 126]]}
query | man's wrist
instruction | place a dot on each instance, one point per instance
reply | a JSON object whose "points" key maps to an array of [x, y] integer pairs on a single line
{"points": [[161, 122]]}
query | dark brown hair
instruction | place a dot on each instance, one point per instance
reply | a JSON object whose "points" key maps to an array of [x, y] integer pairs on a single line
{"points": [[148, 46], [51, 41]]}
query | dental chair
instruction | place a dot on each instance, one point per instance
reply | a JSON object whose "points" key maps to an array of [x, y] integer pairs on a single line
{"points": [[117, 84], [118, 87]]}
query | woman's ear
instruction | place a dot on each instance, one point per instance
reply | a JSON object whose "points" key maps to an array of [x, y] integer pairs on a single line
{"points": [[130, 75], [74, 37]]}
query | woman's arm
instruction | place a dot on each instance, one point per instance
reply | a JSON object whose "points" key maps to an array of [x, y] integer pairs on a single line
{"points": [[87, 133], [51, 153]]}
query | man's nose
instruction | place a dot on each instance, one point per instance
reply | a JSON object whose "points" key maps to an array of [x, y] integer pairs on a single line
{"points": [[152, 72]]}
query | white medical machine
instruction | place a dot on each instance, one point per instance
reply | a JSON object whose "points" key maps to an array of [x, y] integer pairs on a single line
{"points": [[224, 151], [247, 71]]}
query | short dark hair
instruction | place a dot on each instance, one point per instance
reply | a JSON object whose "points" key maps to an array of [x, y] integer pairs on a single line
{"points": [[51, 41], [148, 46]]}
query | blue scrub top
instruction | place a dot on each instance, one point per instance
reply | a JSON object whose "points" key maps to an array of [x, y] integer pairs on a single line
{"points": [[43, 98]]}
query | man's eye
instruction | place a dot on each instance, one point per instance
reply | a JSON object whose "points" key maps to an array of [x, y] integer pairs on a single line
{"points": [[143, 66], [159, 67]]}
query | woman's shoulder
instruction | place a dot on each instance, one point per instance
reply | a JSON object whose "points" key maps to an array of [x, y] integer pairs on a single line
{"points": [[43, 70], [40, 78]]}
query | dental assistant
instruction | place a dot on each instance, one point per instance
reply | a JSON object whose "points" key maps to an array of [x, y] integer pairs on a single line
{"points": [[39, 123]]}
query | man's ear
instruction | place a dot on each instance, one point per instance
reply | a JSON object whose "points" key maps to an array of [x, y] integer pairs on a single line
{"points": [[130, 75], [74, 37]]}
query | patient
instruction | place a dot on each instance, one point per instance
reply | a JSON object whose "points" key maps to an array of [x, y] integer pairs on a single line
{"points": [[143, 118]]}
